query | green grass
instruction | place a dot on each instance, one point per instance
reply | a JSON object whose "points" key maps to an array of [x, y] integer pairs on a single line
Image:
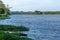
{"points": [[13, 28], [25, 39], [12, 36], [2, 17], [1, 36], [7, 36]]}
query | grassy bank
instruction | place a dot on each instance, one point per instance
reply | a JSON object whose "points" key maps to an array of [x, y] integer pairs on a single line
{"points": [[13, 28], [10, 32], [7, 36], [2, 17]]}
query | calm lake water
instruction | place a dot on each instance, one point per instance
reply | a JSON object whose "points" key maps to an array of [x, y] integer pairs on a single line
{"points": [[42, 27]]}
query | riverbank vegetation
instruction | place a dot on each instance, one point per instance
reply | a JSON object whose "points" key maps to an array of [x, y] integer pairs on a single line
{"points": [[35, 12], [10, 32], [2, 17], [3, 9], [13, 28], [7, 36]]}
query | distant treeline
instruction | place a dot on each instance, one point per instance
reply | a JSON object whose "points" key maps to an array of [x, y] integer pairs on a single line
{"points": [[35, 12]]}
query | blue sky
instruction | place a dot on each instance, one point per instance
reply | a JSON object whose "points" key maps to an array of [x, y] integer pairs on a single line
{"points": [[32, 5]]}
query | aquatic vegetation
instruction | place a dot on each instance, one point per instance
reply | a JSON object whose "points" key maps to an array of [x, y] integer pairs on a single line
{"points": [[4, 17], [13, 28], [9, 32], [7, 36]]}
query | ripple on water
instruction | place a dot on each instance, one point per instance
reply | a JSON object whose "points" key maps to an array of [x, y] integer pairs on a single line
{"points": [[42, 27]]}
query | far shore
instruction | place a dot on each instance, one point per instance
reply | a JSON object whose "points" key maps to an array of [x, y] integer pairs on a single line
{"points": [[34, 13]]}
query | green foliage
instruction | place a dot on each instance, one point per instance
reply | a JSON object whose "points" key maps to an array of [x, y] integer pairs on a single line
{"points": [[6, 10], [2, 36], [3, 17], [7, 36], [13, 28]]}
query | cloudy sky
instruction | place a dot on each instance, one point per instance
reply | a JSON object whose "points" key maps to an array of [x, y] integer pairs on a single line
{"points": [[32, 5]]}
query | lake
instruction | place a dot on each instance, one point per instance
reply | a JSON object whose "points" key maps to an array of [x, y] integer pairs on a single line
{"points": [[42, 27]]}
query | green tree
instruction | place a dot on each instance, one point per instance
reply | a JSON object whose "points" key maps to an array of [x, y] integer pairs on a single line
{"points": [[38, 12]]}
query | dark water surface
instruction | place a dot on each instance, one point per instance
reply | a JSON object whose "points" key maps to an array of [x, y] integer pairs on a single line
{"points": [[42, 27]]}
